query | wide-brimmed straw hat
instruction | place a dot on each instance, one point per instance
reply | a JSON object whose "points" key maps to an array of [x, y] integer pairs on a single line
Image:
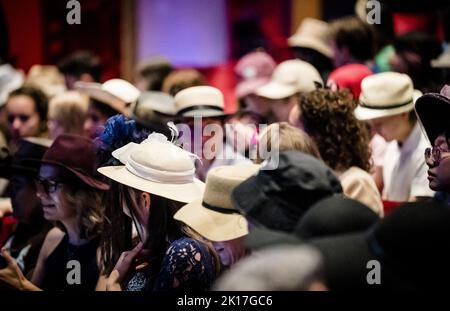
{"points": [[116, 93], [199, 101], [159, 167], [291, 77], [214, 216], [386, 94], [313, 34]]}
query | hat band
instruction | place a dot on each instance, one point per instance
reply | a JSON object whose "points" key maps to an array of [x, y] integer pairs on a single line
{"points": [[199, 107], [158, 176], [219, 209], [362, 104]]}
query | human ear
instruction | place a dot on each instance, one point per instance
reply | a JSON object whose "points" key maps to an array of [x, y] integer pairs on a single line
{"points": [[145, 200]]}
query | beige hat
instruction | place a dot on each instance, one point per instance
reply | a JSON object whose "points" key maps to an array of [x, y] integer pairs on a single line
{"points": [[386, 94], [203, 101], [158, 167], [291, 77], [47, 78], [215, 216], [117, 93], [314, 34]]}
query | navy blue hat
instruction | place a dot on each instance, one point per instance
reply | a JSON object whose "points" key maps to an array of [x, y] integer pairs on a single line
{"points": [[277, 198]]}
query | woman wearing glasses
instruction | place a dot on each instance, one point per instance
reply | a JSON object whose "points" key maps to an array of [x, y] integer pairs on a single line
{"points": [[71, 196], [433, 111]]}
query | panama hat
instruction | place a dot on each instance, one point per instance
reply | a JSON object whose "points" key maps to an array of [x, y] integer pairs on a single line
{"points": [[433, 111], [386, 94], [157, 166], [154, 101], [215, 216], [199, 101], [10, 80], [313, 34], [116, 93], [291, 77]]}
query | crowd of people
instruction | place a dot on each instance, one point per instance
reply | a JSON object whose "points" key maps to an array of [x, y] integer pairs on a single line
{"points": [[336, 160]]}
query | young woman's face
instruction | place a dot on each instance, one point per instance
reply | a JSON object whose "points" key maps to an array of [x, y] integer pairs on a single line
{"points": [[439, 171], [50, 188], [23, 118]]}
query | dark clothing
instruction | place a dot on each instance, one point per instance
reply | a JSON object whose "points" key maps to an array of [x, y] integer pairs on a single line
{"points": [[187, 266], [59, 272]]}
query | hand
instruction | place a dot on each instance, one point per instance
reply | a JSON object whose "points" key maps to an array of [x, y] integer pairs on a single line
{"points": [[123, 265], [12, 274]]}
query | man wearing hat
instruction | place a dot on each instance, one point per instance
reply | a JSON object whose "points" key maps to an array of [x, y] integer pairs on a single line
{"points": [[215, 217], [108, 99], [387, 102], [29, 233], [202, 110], [289, 79], [433, 111]]}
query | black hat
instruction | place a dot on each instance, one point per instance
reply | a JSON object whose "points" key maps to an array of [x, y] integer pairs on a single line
{"points": [[411, 245], [433, 111], [24, 161], [330, 216], [277, 198]]}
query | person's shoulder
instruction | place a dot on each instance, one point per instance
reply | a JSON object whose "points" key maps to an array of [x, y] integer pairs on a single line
{"points": [[53, 238], [183, 245]]}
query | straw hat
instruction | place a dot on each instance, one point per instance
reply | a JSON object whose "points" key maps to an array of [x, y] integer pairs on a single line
{"points": [[158, 167], [386, 94], [47, 78], [116, 93], [215, 216], [154, 101], [313, 34], [10, 79], [291, 77], [200, 101]]}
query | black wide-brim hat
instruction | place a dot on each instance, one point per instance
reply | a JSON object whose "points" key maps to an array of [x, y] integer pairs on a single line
{"points": [[25, 160], [433, 111]]}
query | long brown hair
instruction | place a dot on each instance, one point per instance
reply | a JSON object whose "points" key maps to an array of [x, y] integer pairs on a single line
{"points": [[162, 229]]}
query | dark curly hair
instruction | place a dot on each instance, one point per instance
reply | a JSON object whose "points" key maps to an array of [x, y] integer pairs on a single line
{"points": [[343, 141]]}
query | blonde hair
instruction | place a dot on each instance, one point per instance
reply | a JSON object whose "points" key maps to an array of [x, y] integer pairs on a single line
{"points": [[289, 138], [69, 110]]}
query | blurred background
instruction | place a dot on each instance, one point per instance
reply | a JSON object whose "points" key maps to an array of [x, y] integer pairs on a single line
{"points": [[208, 35]]}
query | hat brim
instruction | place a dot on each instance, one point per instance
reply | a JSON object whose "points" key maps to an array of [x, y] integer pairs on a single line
{"points": [[214, 226], [88, 180], [260, 238], [275, 90], [297, 41], [249, 86], [185, 193], [204, 113], [364, 114], [95, 91], [433, 112], [345, 260]]}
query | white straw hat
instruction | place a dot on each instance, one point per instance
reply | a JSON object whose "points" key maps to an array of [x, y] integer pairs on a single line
{"points": [[215, 216], [291, 77], [313, 34], [386, 94], [117, 93], [202, 101], [158, 167]]}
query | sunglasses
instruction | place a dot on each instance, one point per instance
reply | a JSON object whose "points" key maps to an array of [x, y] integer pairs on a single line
{"points": [[435, 154], [47, 185], [22, 117]]}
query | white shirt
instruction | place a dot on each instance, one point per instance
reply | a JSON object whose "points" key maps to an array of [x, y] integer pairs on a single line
{"points": [[404, 169]]}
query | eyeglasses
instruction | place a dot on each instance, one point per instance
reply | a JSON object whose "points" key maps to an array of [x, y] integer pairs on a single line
{"points": [[22, 117], [435, 154], [47, 185]]}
